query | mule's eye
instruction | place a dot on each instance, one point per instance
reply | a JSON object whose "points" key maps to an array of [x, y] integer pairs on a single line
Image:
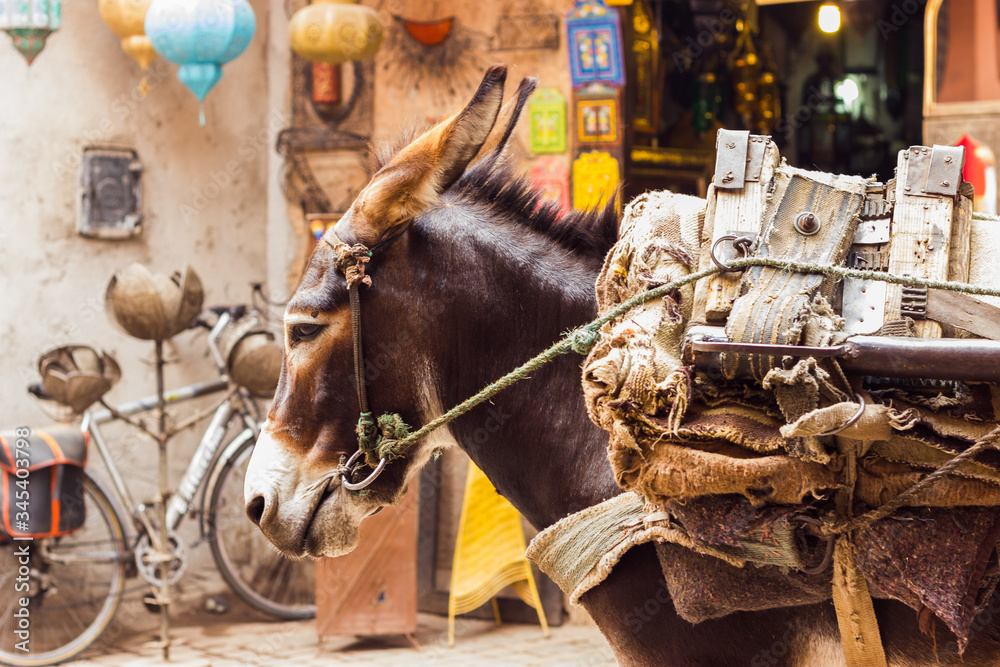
{"points": [[302, 332]]}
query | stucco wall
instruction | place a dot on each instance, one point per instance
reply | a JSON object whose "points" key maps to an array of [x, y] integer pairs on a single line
{"points": [[205, 203], [203, 189]]}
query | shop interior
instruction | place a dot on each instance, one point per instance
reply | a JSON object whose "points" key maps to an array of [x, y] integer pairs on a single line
{"points": [[838, 85]]}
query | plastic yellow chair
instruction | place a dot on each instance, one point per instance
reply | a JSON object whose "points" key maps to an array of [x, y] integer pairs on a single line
{"points": [[489, 554]]}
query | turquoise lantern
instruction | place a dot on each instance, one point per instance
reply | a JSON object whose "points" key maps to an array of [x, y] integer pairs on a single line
{"points": [[200, 36]]}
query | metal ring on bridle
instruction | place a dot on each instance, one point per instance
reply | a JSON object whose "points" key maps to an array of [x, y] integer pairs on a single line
{"points": [[741, 243], [850, 422], [351, 486]]}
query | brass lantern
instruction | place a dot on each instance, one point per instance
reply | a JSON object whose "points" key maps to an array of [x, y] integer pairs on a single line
{"points": [[335, 31], [127, 19]]}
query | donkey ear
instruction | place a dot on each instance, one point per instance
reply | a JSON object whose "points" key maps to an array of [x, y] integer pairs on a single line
{"points": [[496, 143], [414, 179]]}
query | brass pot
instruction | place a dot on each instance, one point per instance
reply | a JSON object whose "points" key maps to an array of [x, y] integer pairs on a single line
{"points": [[253, 355], [152, 306], [77, 375]]}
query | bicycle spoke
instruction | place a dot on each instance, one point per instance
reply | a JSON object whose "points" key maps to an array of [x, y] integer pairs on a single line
{"points": [[251, 565], [74, 585]]}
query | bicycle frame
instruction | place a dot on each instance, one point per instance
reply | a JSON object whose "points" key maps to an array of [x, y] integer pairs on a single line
{"points": [[238, 403]]}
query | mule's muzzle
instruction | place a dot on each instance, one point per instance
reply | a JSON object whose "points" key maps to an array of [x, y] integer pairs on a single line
{"points": [[303, 510]]}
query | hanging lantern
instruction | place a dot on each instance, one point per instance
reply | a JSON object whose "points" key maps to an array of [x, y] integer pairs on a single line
{"points": [[335, 31], [127, 18], [29, 23], [200, 36]]}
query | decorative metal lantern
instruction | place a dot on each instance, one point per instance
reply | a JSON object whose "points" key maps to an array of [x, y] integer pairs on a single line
{"points": [[335, 31], [29, 23], [127, 18], [200, 36]]}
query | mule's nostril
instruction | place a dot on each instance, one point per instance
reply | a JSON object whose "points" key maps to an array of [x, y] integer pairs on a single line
{"points": [[255, 509]]}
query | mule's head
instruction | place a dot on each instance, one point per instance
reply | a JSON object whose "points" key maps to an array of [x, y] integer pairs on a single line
{"points": [[292, 490]]}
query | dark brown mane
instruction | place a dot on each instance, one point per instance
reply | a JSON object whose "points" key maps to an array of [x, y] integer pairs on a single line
{"points": [[494, 182]]}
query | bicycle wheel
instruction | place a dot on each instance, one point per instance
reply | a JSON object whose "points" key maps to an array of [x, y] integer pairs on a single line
{"points": [[253, 568], [73, 586]]}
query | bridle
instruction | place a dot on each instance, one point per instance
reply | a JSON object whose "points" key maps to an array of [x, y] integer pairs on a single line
{"points": [[351, 260]]}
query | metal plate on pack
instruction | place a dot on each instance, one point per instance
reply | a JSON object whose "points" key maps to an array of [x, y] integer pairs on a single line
{"points": [[864, 305], [731, 159], [944, 174], [872, 231], [918, 159], [934, 171], [755, 157]]}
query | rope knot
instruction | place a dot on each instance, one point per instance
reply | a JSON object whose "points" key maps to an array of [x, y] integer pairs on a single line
{"points": [[351, 260], [382, 439], [583, 339], [367, 434]]}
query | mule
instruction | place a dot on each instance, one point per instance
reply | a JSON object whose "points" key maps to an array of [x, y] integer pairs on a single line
{"points": [[472, 275]]}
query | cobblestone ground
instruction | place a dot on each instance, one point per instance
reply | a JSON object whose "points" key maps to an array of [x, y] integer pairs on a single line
{"points": [[218, 641]]}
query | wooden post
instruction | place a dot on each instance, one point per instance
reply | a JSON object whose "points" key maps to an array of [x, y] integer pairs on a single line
{"points": [[930, 233]]}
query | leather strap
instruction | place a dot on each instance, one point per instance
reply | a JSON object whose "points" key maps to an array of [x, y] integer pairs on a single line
{"points": [[359, 355]]}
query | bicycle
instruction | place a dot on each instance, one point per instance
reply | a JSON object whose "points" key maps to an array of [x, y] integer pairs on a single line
{"points": [[75, 582]]}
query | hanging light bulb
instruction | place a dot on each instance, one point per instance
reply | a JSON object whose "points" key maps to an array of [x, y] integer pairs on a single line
{"points": [[829, 18]]}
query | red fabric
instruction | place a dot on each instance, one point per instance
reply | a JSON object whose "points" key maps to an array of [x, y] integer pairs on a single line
{"points": [[975, 169]]}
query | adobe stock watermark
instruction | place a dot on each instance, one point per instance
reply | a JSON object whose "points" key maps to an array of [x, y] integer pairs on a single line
{"points": [[779, 650], [900, 14], [21, 494], [249, 150], [696, 46], [790, 122], [639, 616], [107, 127], [984, 620]]}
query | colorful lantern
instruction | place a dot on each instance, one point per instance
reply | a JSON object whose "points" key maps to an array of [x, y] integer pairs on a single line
{"points": [[127, 18], [335, 31], [200, 36], [29, 23]]}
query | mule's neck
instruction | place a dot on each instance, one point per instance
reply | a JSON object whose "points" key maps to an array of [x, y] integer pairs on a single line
{"points": [[495, 294]]}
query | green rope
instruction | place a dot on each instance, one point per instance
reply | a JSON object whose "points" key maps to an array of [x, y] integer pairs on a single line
{"points": [[384, 439], [582, 338]]}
